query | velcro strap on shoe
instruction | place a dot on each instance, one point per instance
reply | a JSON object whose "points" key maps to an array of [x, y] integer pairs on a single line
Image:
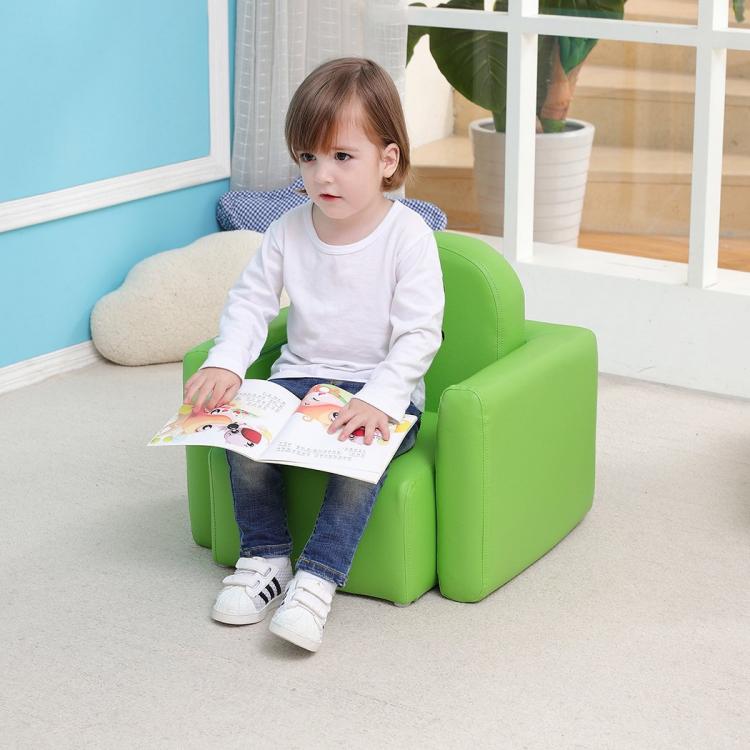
{"points": [[256, 565], [248, 570], [242, 578], [309, 599], [315, 585]]}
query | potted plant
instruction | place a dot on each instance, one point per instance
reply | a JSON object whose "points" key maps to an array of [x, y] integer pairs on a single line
{"points": [[474, 63]]}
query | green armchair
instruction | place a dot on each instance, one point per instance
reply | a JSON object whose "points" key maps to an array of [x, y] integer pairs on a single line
{"points": [[503, 467]]}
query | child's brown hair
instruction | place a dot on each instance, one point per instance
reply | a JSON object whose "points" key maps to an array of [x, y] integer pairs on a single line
{"points": [[318, 102]]}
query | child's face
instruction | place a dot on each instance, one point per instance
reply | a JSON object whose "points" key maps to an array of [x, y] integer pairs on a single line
{"points": [[351, 173]]}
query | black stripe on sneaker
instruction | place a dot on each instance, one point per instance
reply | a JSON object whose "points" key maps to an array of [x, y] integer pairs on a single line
{"points": [[270, 590], [263, 597], [278, 588]]}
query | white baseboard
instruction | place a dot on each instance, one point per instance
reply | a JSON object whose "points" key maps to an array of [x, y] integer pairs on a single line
{"points": [[40, 368]]}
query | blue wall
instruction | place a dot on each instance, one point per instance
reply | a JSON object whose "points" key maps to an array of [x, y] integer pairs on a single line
{"points": [[98, 90]]}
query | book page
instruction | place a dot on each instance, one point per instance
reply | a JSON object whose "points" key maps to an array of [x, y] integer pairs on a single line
{"points": [[304, 440], [246, 425]]}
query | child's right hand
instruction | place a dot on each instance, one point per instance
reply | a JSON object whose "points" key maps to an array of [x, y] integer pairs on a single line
{"points": [[214, 385]]}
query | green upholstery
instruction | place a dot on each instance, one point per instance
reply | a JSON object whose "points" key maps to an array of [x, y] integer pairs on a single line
{"points": [[503, 467], [484, 312]]}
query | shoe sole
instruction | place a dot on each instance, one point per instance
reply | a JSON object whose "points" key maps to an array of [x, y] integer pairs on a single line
{"points": [[249, 619], [294, 637]]}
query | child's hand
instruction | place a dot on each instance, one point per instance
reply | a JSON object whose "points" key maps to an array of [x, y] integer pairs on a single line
{"points": [[215, 385], [357, 414]]}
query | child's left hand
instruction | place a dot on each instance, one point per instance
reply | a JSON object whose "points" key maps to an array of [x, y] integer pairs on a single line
{"points": [[358, 414]]}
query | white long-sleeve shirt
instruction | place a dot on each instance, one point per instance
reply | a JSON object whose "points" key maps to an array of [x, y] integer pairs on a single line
{"points": [[370, 311]]}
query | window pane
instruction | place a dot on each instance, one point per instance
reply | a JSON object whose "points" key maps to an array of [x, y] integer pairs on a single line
{"points": [[640, 100], [638, 97], [734, 229], [445, 63]]}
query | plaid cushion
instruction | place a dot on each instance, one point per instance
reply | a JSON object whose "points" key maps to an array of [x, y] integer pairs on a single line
{"points": [[256, 209]]}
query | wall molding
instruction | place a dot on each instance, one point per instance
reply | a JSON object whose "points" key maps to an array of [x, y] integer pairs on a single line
{"points": [[112, 191], [34, 370]]}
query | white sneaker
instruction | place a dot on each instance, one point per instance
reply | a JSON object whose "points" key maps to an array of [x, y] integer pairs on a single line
{"points": [[256, 586], [302, 616]]}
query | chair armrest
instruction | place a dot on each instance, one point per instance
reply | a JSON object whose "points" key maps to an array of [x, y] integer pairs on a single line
{"points": [[199, 500], [515, 459]]}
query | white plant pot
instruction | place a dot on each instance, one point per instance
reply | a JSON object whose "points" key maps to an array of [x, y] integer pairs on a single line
{"points": [[562, 166]]}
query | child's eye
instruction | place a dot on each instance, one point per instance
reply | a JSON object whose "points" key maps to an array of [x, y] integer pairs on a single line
{"points": [[306, 157], [342, 156]]}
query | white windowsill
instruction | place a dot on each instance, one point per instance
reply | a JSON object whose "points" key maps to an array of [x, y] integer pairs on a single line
{"points": [[623, 266]]}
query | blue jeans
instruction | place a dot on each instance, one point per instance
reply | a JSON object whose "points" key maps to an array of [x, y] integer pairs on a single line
{"points": [[260, 510]]}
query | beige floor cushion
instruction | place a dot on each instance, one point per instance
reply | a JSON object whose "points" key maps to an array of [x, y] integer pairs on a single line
{"points": [[171, 301]]}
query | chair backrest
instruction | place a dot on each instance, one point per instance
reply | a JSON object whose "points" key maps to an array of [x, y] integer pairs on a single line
{"points": [[484, 312]]}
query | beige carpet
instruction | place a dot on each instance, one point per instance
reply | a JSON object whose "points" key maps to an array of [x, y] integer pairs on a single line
{"points": [[634, 632]]}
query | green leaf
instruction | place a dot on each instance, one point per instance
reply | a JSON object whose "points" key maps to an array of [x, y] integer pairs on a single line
{"points": [[552, 126], [474, 63], [574, 50], [498, 119]]}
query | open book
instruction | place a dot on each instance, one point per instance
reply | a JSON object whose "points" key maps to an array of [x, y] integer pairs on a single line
{"points": [[267, 423]]}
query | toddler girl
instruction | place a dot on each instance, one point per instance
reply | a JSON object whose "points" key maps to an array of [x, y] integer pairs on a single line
{"points": [[366, 307]]}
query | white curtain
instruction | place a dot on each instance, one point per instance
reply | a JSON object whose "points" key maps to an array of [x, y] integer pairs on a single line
{"points": [[278, 43]]}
